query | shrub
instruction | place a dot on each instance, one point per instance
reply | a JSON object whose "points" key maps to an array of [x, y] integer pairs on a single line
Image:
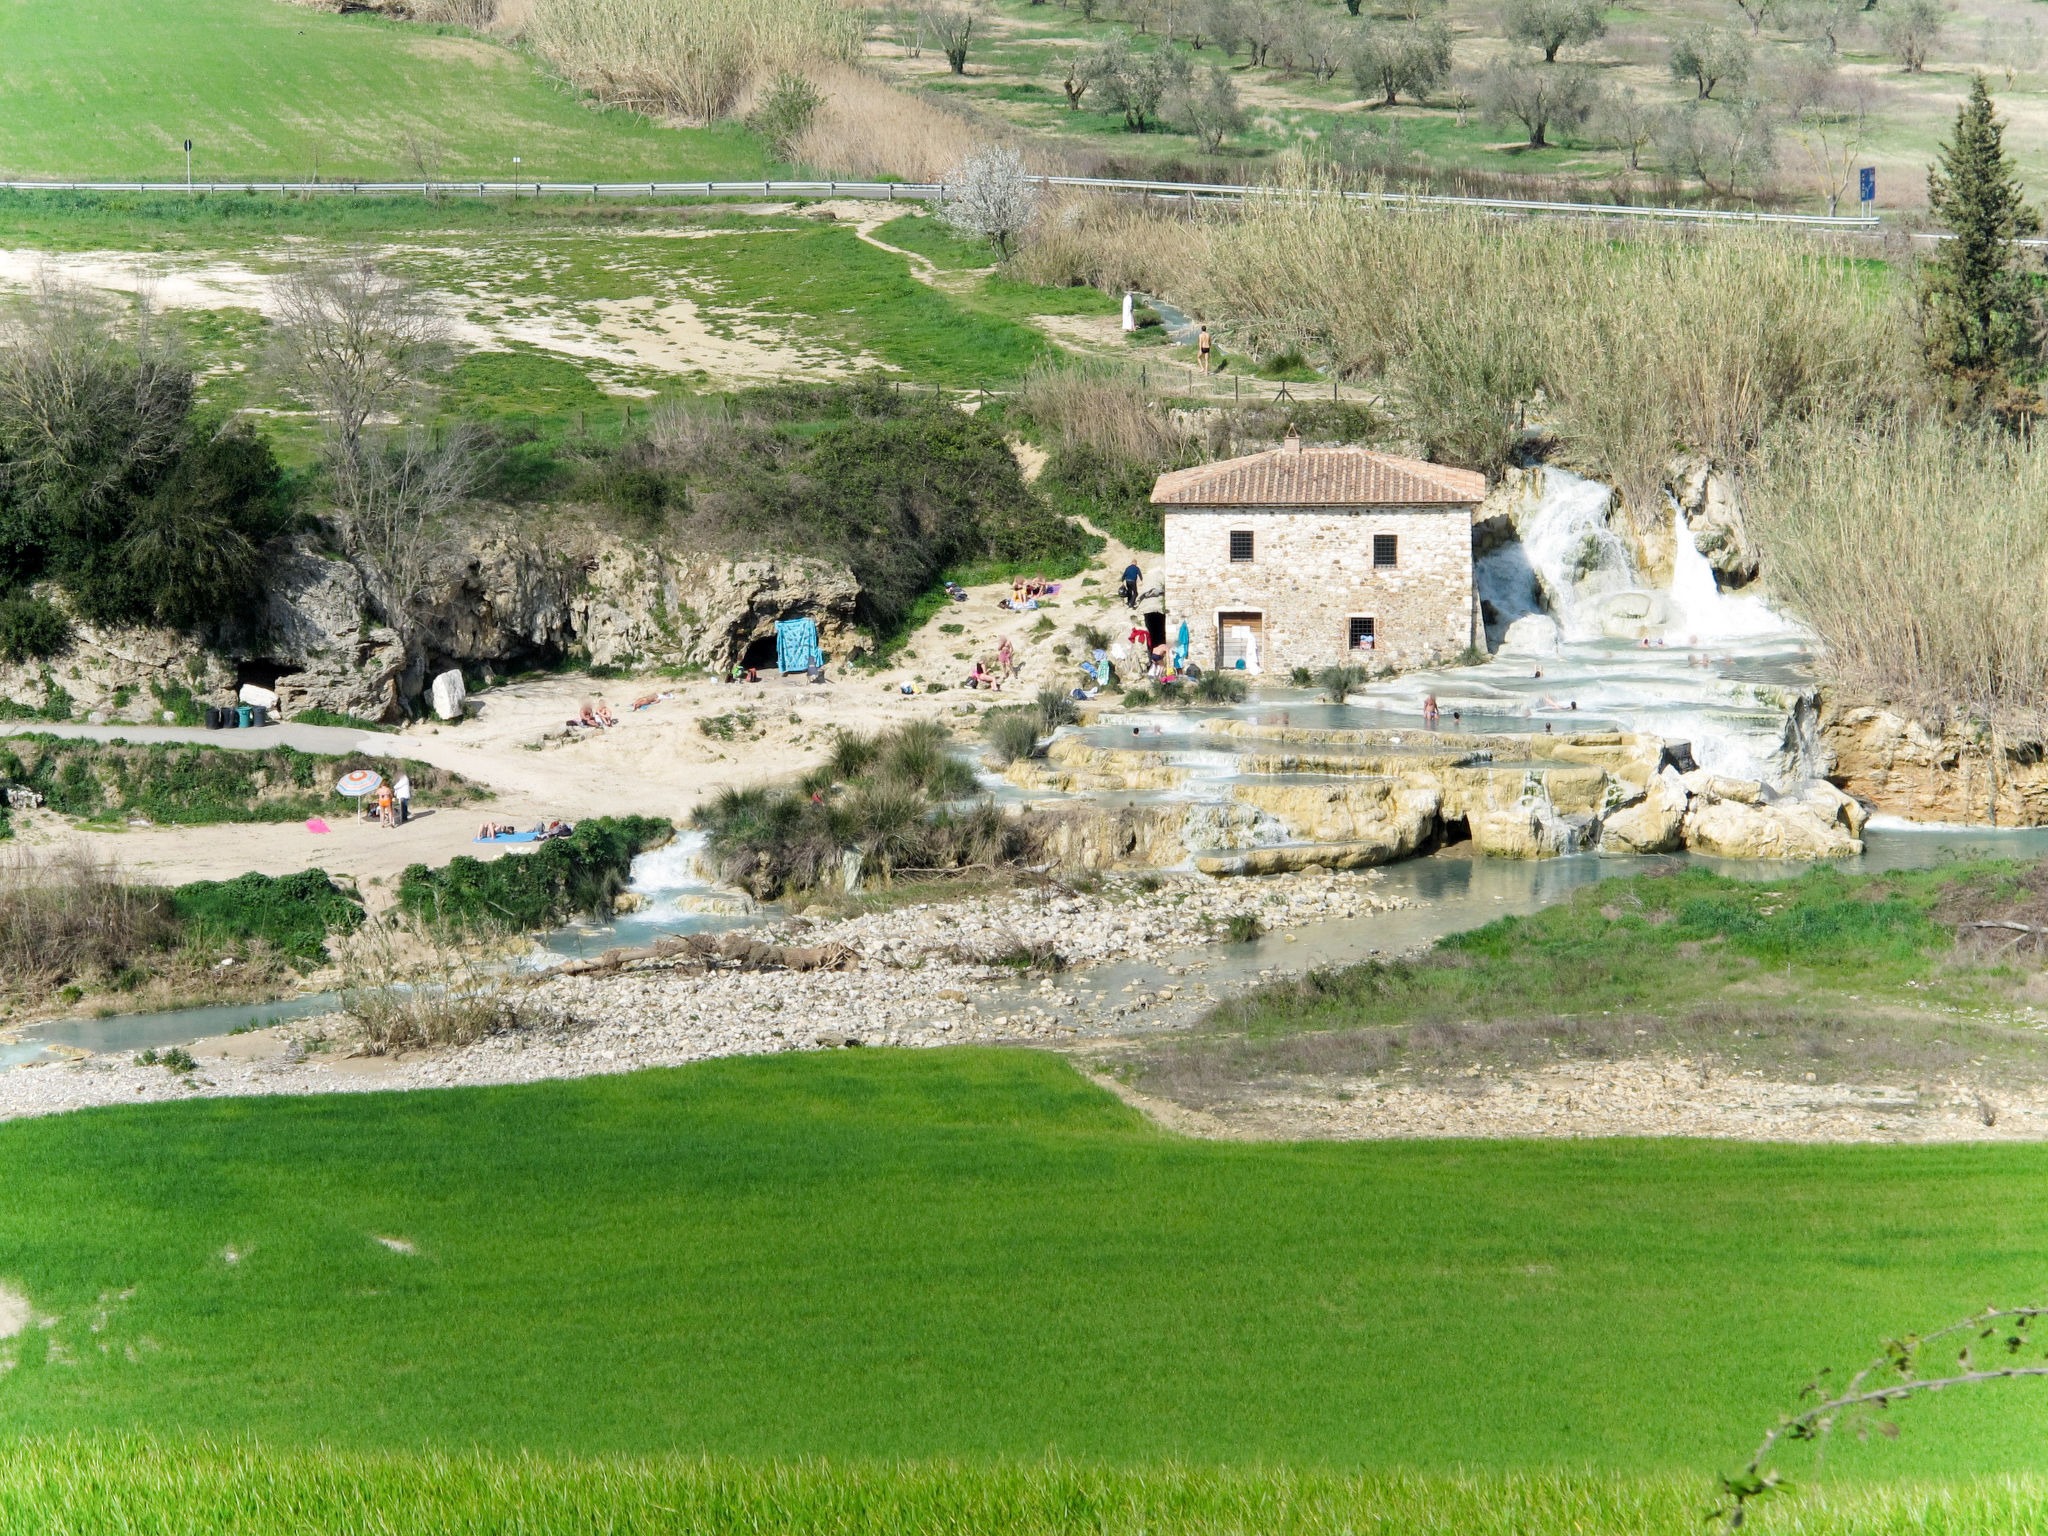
{"points": [[406, 989], [686, 58], [72, 917], [1243, 927], [1339, 683], [1012, 733], [1055, 709], [293, 914], [579, 874], [31, 628], [1214, 687]]}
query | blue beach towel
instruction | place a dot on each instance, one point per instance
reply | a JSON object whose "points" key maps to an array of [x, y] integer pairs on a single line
{"points": [[796, 645]]}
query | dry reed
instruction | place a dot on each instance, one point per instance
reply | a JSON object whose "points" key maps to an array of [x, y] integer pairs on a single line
{"points": [[407, 989], [69, 916], [1086, 240], [1101, 405], [865, 128], [1920, 556], [692, 59]]}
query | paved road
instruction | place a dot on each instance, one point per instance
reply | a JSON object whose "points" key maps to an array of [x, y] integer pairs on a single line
{"points": [[332, 740]]}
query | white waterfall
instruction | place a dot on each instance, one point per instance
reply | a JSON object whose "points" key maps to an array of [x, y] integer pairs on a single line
{"points": [[1701, 613], [1566, 556]]}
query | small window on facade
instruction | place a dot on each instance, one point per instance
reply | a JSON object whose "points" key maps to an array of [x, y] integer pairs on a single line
{"points": [[1386, 549], [1240, 545], [1361, 635]]}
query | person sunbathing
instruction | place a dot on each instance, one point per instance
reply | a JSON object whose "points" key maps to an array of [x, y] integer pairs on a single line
{"points": [[605, 717], [585, 715]]}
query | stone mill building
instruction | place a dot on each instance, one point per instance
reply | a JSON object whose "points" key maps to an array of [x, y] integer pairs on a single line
{"points": [[1310, 557]]}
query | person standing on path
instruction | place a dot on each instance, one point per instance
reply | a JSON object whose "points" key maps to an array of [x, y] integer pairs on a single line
{"points": [[1132, 576], [1202, 345], [402, 793], [384, 818]]}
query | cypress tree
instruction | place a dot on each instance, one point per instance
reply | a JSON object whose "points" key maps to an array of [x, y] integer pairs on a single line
{"points": [[1978, 306]]}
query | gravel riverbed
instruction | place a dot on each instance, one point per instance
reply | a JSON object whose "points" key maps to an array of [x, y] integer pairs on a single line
{"points": [[927, 975]]}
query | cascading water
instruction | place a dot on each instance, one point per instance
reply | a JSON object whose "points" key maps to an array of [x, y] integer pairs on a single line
{"points": [[1565, 560], [1701, 613]]}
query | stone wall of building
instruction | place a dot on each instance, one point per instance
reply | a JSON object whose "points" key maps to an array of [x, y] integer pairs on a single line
{"points": [[1312, 572]]}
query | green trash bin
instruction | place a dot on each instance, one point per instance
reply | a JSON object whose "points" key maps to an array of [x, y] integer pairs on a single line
{"points": [[245, 715]]}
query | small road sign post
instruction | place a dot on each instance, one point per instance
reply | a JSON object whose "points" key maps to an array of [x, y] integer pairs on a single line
{"points": [[1866, 187], [188, 165]]}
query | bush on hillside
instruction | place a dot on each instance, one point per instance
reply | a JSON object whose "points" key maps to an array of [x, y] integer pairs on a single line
{"points": [[899, 489], [31, 628], [111, 484], [581, 874]]}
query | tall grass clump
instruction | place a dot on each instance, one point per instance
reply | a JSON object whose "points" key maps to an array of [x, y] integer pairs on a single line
{"points": [[687, 58], [1627, 347], [1011, 733], [1111, 243], [866, 128], [407, 990], [887, 799], [1919, 555]]}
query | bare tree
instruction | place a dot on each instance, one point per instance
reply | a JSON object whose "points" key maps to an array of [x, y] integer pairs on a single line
{"points": [[2012, 50], [361, 342], [950, 24], [1827, 22], [1141, 14], [1757, 11], [991, 196], [1828, 115], [394, 501], [1629, 121], [1909, 30], [1207, 108], [1550, 25], [1709, 57], [1398, 58], [1316, 40], [1539, 97]]}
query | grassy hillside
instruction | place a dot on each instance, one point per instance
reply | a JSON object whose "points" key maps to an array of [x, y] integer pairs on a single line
{"points": [[113, 88], [973, 1253]]}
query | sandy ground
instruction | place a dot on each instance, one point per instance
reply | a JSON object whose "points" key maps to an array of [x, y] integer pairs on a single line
{"points": [[658, 761]]}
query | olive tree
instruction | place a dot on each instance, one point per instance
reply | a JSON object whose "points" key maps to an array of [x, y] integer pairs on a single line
{"points": [[951, 25], [1393, 59], [1551, 25], [1707, 57], [1538, 96], [1909, 30]]}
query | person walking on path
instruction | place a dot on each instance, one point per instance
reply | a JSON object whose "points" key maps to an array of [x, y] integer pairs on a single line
{"points": [[1132, 576], [402, 793], [1202, 346]]}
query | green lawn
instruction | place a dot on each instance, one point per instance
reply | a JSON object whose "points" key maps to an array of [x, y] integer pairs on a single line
{"points": [[972, 1253], [112, 89]]}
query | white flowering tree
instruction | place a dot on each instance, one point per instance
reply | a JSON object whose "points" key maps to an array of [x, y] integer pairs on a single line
{"points": [[990, 196]]}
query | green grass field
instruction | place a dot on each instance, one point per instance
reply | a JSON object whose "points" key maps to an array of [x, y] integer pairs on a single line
{"points": [[112, 88], [975, 1254]]}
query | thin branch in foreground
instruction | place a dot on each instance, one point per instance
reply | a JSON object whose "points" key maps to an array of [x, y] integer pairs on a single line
{"points": [[1896, 1367]]}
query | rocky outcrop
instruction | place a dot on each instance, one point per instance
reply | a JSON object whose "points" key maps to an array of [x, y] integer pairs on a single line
{"points": [[1071, 766], [1396, 816], [1653, 824], [1529, 829], [1711, 502], [116, 673], [1901, 765], [1738, 820], [495, 599], [1084, 837]]}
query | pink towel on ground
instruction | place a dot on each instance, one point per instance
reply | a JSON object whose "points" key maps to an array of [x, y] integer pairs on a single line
{"points": [[315, 824]]}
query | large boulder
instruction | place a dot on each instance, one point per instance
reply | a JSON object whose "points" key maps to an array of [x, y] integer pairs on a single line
{"points": [[1817, 825], [1533, 635], [1529, 829], [320, 632], [1398, 817], [1901, 764], [1655, 823]]}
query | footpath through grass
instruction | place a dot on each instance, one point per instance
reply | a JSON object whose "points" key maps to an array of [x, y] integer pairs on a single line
{"points": [[974, 1253], [111, 89]]}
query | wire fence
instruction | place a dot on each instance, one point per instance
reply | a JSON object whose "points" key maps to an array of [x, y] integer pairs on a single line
{"points": [[916, 192]]}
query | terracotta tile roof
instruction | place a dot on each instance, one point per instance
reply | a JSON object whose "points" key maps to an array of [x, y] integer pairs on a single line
{"points": [[1319, 477]]}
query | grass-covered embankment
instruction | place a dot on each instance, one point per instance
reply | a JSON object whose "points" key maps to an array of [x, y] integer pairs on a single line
{"points": [[86, 1488], [1842, 976], [976, 1254], [187, 785]]}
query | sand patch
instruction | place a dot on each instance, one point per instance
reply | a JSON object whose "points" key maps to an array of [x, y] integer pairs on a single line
{"points": [[14, 1312]]}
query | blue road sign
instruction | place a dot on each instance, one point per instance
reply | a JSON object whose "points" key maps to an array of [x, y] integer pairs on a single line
{"points": [[1866, 183]]}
